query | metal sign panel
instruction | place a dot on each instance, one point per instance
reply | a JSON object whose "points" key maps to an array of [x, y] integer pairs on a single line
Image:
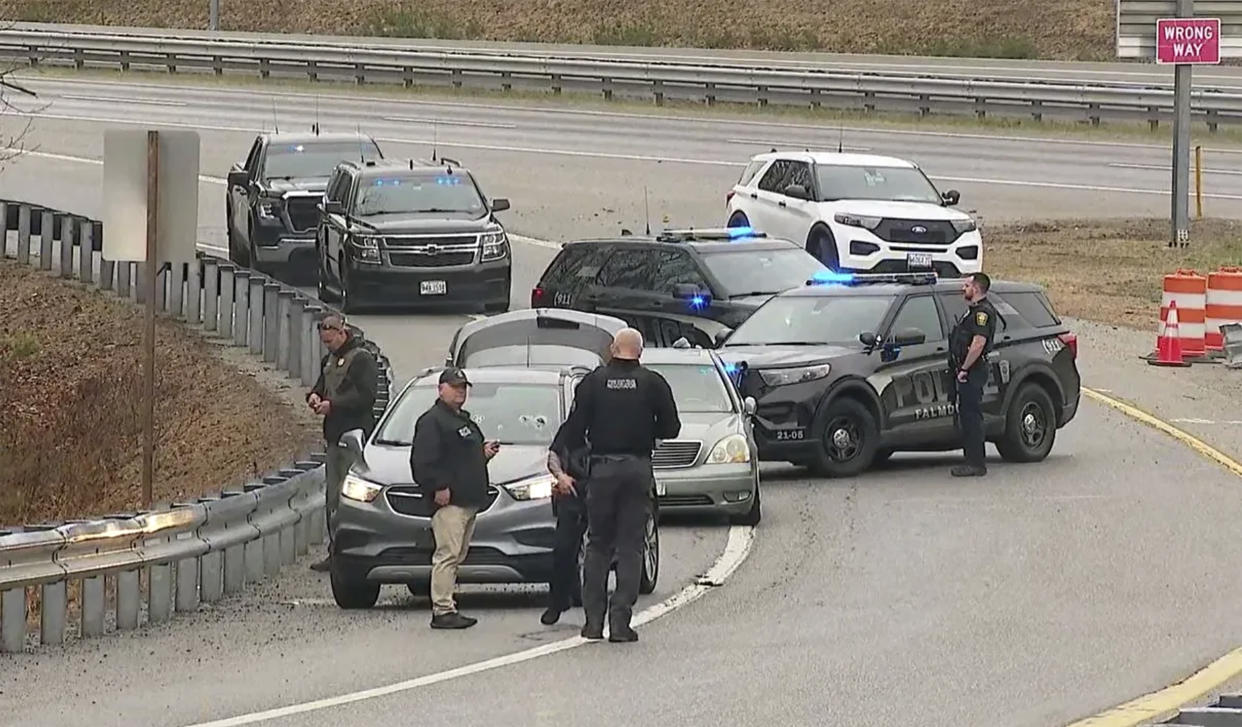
{"points": [[1137, 19], [1194, 41], [125, 195]]}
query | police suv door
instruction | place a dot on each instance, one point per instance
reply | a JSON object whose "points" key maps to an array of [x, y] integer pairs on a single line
{"points": [[915, 387]]}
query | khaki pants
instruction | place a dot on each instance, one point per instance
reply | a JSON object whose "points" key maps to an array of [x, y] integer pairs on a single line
{"points": [[453, 526]]}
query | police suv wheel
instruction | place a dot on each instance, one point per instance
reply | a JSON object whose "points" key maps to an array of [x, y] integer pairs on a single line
{"points": [[1030, 425], [651, 556], [352, 592], [846, 434]]}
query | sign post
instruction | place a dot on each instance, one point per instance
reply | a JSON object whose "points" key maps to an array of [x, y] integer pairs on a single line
{"points": [[150, 216], [1184, 42]]}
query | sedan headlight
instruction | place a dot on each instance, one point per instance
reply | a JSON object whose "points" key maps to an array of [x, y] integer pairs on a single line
{"points": [[538, 487], [730, 450], [495, 245], [801, 374], [356, 488], [868, 223], [961, 227]]}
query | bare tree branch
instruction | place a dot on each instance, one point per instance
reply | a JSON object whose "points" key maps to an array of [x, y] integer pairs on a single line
{"points": [[12, 141]]}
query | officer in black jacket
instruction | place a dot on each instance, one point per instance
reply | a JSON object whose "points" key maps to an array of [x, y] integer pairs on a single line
{"points": [[622, 408], [449, 458], [969, 344], [344, 396]]}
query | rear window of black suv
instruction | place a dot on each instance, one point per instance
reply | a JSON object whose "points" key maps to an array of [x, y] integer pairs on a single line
{"points": [[1021, 310]]}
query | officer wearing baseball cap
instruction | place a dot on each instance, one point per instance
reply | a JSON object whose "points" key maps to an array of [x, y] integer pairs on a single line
{"points": [[449, 461]]}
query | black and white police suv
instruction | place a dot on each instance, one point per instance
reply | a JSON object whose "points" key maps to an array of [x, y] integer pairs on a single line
{"points": [[403, 232], [850, 368], [692, 284]]}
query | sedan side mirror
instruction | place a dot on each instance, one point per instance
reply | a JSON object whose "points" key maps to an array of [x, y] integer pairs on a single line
{"points": [[352, 442], [500, 204], [952, 197], [869, 339], [750, 406]]}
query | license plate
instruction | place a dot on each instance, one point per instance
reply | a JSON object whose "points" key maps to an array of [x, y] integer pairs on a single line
{"points": [[661, 489], [787, 435], [432, 287], [919, 259]]}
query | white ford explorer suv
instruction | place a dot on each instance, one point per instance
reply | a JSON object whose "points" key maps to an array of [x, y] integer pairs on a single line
{"points": [[857, 212]]}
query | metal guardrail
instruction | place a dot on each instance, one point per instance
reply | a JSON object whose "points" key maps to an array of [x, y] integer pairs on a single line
{"points": [[657, 80], [188, 552]]}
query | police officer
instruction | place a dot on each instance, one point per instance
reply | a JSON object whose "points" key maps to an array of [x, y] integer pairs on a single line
{"points": [[569, 463], [969, 344], [622, 408], [344, 396]]}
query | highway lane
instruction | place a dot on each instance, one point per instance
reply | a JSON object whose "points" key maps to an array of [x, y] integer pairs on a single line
{"points": [[1213, 77], [872, 586]]}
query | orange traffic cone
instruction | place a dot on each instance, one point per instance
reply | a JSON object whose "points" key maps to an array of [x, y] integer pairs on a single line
{"points": [[1168, 341]]}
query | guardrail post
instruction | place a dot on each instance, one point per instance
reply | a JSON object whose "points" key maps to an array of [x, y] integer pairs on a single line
{"points": [[227, 288], [310, 344], [13, 618], [288, 545], [187, 585], [159, 607], [23, 234], [245, 307], [68, 234], [194, 292], [138, 276], [47, 233], [4, 230], [254, 560], [256, 314], [123, 270], [284, 308], [294, 328], [52, 612], [176, 289], [107, 274], [211, 574], [163, 283], [128, 598], [93, 606], [271, 321], [86, 251], [211, 295], [234, 568]]}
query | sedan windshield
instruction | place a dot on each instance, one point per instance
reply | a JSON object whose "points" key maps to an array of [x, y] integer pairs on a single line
{"points": [[761, 272], [419, 192], [314, 159], [512, 413], [898, 184], [811, 321], [696, 387]]}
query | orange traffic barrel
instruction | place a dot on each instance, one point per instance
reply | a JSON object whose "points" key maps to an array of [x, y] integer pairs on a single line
{"points": [[1224, 304], [1189, 289]]}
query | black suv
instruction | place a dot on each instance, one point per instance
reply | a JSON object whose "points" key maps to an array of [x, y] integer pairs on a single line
{"points": [[402, 232], [697, 284], [273, 196], [850, 368]]}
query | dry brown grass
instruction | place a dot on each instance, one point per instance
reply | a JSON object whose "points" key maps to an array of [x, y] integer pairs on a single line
{"points": [[1108, 271], [1061, 29], [71, 440]]}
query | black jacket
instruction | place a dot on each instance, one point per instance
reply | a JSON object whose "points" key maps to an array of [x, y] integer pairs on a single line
{"points": [[448, 453], [622, 408], [353, 399]]}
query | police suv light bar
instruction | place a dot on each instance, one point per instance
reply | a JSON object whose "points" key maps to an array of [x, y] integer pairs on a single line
{"points": [[710, 233], [831, 277]]}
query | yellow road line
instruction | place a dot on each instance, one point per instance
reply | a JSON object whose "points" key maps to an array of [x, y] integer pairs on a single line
{"points": [[1164, 703]]}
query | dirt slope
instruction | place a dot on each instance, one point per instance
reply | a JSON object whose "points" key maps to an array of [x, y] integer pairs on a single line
{"points": [[1062, 29], [71, 428]]}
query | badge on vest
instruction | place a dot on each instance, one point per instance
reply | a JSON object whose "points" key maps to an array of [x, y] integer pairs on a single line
{"points": [[464, 432], [981, 318], [340, 362]]}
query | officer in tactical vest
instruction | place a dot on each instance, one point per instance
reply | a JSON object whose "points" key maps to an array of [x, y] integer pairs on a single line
{"points": [[344, 396], [969, 344]]}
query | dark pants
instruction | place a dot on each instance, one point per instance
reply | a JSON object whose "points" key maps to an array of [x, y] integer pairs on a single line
{"points": [[565, 586], [618, 502], [970, 415]]}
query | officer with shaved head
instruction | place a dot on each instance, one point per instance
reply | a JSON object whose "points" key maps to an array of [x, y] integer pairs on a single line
{"points": [[622, 408]]}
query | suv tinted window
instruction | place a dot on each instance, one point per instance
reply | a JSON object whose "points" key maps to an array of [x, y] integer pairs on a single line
{"points": [[1031, 308], [675, 266], [919, 312], [629, 268]]}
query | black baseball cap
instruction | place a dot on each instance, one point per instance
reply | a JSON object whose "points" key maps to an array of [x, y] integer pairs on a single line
{"points": [[453, 377]]}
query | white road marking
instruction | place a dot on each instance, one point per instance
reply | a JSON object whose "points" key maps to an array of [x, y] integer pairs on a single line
{"points": [[535, 241], [1234, 422], [735, 553], [1168, 168], [98, 162], [126, 101], [448, 122]]}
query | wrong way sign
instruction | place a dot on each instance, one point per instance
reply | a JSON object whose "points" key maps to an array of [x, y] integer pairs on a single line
{"points": [[1193, 41]]}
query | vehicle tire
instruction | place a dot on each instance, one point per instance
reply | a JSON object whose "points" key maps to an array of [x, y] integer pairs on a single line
{"points": [[349, 303], [651, 556], [752, 516], [847, 435], [739, 219], [1030, 425], [823, 246], [353, 593]]}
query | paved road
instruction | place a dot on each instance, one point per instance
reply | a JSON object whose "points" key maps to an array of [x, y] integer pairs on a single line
{"points": [[1037, 596], [1219, 77]]}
